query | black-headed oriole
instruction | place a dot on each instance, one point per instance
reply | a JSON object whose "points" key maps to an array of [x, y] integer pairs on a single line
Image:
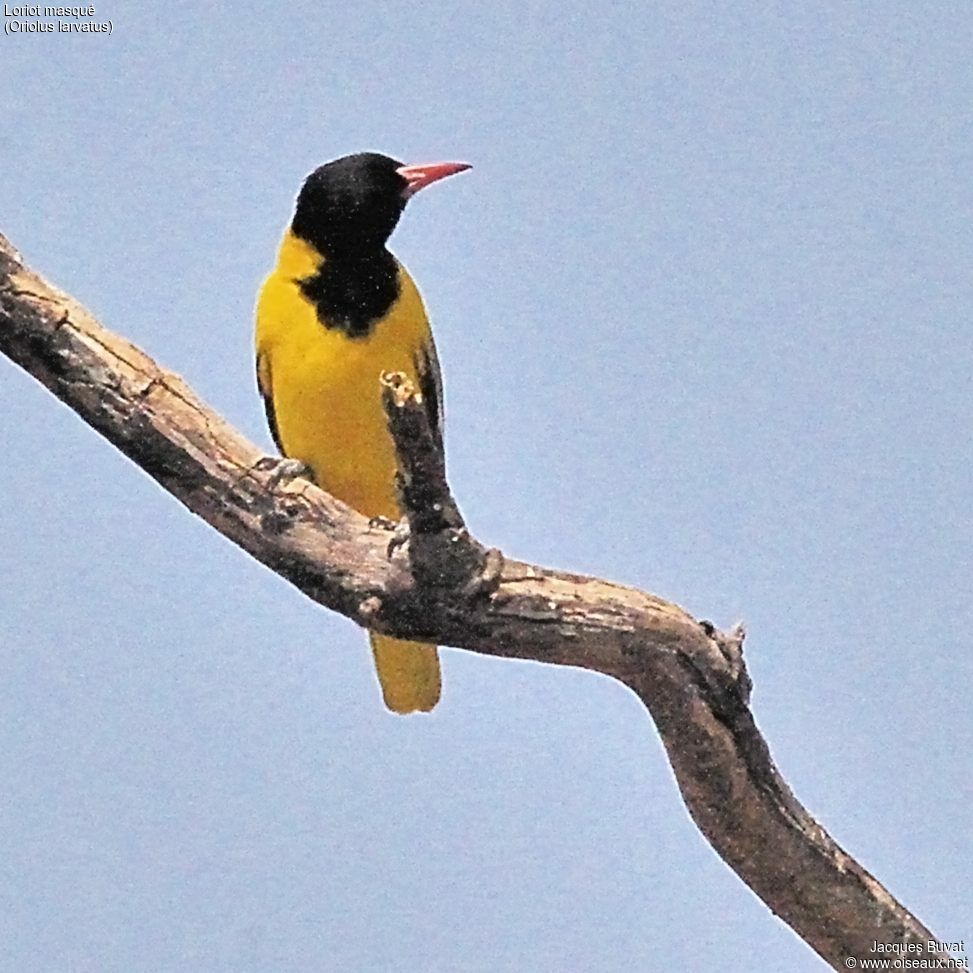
{"points": [[335, 312]]}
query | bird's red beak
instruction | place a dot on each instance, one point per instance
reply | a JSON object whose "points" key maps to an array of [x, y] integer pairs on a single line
{"points": [[425, 173]]}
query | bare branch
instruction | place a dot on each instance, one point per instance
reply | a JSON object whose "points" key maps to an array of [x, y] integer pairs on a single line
{"points": [[445, 587]]}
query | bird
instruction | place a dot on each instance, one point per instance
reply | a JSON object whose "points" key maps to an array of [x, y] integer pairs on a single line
{"points": [[335, 312]]}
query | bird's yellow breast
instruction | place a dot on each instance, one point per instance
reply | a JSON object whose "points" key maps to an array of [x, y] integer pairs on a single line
{"points": [[324, 386]]}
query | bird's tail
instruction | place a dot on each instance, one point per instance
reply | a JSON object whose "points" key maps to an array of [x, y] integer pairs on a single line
{"points": [[408, 673]]}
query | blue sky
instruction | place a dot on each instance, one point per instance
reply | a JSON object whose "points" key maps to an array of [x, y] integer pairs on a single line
{"points": [[703, 306]]}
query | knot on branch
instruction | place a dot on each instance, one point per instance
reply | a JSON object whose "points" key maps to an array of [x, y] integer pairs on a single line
{"points": [[730, 643]]}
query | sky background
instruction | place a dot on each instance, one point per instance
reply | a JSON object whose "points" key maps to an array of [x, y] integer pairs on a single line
{"points": [[704, 311]]}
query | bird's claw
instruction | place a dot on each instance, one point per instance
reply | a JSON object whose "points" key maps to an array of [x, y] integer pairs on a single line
{"points": [[382, 523], [399, 529], [400, 537]]}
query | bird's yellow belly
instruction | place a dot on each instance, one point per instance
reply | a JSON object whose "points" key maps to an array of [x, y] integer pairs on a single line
{"points": [[324, 385], [329, 414]]}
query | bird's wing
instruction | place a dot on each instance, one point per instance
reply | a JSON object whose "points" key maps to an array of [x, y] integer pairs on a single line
{"points": [[267, 394], [431, 386]]}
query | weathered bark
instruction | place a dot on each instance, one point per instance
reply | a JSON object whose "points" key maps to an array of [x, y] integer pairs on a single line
{"points": [[444, 587]]}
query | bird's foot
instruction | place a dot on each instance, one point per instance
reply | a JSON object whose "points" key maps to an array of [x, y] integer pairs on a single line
{"points": [[283, 470], [382, 523], [400, 537], [399, 529]]}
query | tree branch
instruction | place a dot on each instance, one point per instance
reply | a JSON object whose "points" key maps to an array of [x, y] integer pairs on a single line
{"points": [[444, 587]]}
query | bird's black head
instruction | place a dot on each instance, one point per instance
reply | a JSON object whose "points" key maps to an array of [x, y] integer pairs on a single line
{"points": [[350, 206]]}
